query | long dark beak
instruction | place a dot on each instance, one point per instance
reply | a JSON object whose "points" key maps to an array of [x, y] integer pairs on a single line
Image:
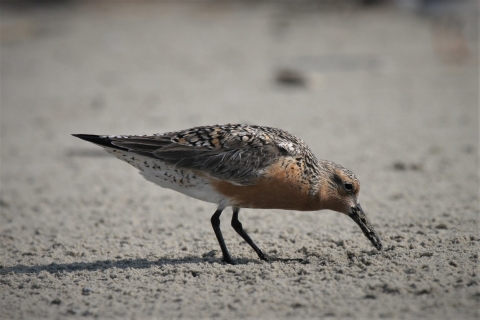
{"points": [[360, 218]]}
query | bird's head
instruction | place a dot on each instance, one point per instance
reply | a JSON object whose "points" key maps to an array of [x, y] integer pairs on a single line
{"points": [[341, 194]]}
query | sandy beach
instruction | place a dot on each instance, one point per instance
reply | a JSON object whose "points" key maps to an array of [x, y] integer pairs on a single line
{"points": [[384, 92]]}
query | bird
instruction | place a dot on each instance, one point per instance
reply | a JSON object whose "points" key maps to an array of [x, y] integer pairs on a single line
{"points": [[241, 166]]}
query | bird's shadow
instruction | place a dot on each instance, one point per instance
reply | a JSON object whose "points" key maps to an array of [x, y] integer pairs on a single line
{"points": [[54, 268]]}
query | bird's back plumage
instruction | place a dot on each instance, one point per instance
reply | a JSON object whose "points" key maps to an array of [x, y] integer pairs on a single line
{"points": [[235, 153]]}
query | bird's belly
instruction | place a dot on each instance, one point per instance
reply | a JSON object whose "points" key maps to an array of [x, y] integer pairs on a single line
{"points": [[188, 182], [267, 195]]}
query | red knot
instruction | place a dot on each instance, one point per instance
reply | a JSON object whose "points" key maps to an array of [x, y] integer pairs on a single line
{"points": [[241, 166]]}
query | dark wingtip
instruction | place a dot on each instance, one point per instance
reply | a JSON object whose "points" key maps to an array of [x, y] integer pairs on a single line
{"points": [[87, 137], [100, 140]]}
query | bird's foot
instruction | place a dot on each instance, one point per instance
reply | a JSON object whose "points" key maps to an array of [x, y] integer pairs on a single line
{"points": [[228, 260]]}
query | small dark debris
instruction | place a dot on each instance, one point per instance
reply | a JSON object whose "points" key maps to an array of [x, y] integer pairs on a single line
{"points": [[397, 238], [441, 226], [290, 77], [340, 243], [401, 166], [410, 271], [472, 283], [453, 263], [71, 254], [87, 291], [365, 261], [426, 254], [370, 296], [302, 272], [210, 254], [4, 203], [389, 289], [396, 196], [56, 301], [296, 305], [424, 291], [99, 222], [35, 286], [87, 314], [56, 245]]}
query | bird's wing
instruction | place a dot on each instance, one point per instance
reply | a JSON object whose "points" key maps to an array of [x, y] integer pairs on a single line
{"points": [[235, 153]]}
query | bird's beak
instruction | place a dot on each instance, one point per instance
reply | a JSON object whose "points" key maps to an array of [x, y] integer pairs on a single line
{"points": [[361, 219]]}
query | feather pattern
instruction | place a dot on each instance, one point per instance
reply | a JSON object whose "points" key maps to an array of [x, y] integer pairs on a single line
{"points": [[235, 152]]}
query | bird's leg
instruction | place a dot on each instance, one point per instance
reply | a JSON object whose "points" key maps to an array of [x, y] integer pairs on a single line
{"points": [[237, 225], [216, 227]]}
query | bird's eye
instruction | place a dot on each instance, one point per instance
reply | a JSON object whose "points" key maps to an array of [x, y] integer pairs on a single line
{"points": [[348, 186]]}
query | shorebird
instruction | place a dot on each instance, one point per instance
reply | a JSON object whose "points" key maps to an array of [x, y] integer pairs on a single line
{"points": [[241, 166]]}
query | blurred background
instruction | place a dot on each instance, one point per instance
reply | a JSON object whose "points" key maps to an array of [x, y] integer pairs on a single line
{"points": [[359, 80]]}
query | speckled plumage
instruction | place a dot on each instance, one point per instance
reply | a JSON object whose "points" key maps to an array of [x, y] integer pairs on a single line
{"points": [[243, 166], [237, 153]]}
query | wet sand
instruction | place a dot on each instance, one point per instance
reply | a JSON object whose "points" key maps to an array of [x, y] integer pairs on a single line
{"points": [[84, 235]]}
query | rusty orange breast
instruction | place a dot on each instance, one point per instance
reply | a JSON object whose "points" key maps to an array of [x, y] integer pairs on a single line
{"points": [[282, 187]]}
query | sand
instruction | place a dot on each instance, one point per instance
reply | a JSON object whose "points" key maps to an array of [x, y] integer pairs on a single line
{"points": [[84, 235]]}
